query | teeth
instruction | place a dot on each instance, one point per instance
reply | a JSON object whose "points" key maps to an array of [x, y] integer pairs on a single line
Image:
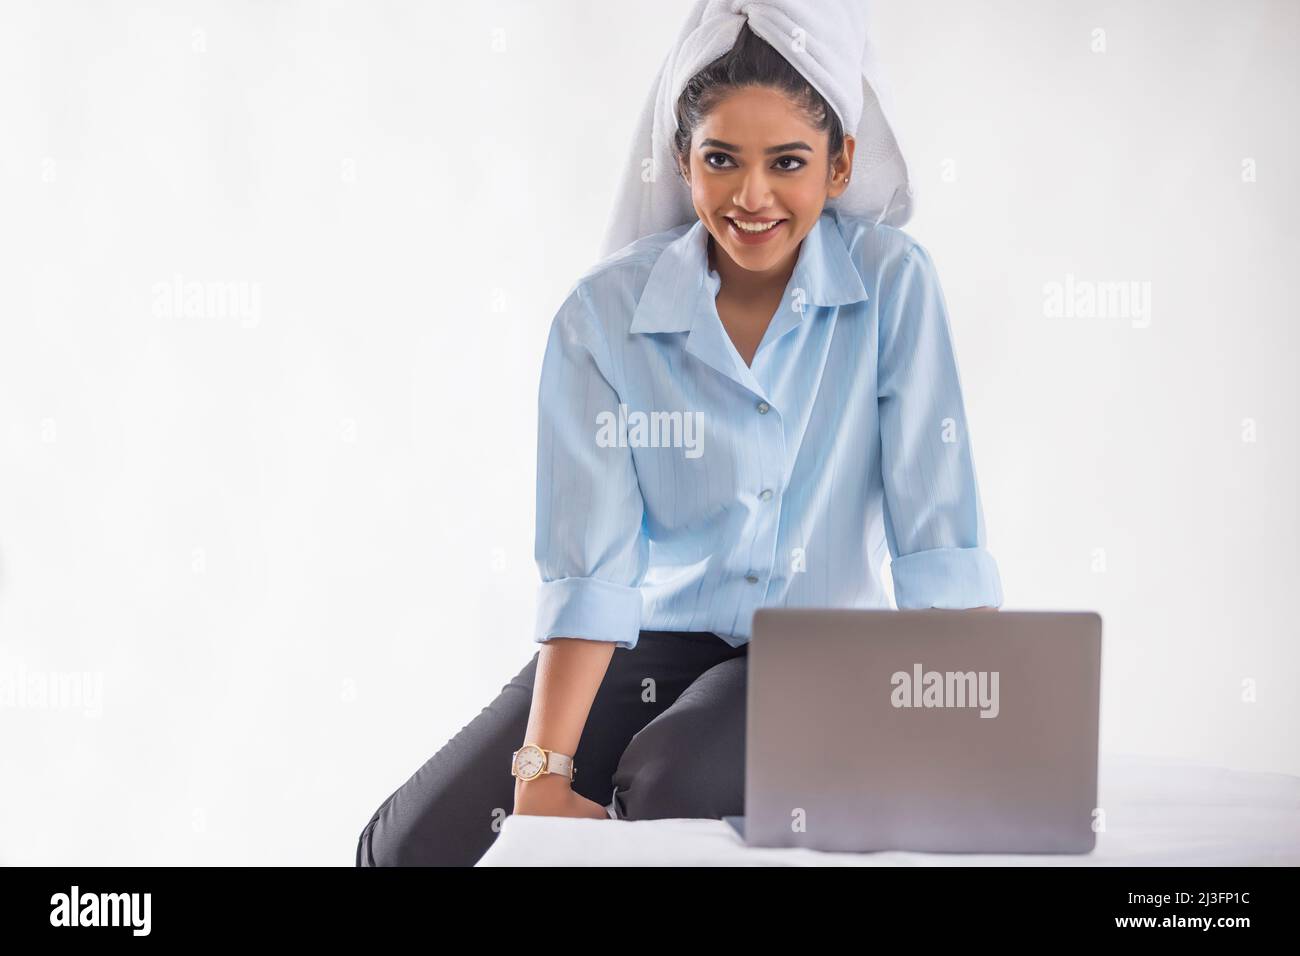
{"points": [[754, 227]]}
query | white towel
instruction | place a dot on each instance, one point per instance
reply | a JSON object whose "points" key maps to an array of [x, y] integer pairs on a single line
{"points": [[827, 42]]}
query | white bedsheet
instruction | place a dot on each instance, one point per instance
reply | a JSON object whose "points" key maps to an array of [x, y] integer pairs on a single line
{"points": [[1159, 812]]}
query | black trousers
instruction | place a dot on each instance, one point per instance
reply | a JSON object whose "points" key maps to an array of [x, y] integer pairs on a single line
{"points": [[665, 738]]}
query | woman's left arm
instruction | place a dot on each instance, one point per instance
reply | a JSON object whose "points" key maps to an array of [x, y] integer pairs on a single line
{"points": [[934, 521]]}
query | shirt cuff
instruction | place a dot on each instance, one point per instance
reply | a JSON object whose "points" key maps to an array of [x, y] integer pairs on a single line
{"points": [[589, 608], [947, 577]]}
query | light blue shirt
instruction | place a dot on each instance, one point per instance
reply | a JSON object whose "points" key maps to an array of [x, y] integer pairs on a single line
{"points": [[679, 489]]}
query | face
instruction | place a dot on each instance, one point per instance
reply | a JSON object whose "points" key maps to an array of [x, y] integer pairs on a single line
{"points": [[530, 762], [760, 175]]}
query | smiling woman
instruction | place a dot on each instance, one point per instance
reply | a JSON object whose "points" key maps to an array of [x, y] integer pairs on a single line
{"points": [[811, 343]]}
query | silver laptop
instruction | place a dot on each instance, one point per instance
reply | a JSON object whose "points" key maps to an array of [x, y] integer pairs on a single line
{"points": [[931, 730]]}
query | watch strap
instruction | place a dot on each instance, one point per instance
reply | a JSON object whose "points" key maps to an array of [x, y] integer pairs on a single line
{"points": [[560, 763]]}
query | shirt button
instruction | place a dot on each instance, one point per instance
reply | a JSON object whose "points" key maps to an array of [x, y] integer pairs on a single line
{"points": [[751, 578], [763, 408], [766, 494]]}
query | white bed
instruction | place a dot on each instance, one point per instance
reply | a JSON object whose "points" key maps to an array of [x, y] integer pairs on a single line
{"points": [[1158, 812]]}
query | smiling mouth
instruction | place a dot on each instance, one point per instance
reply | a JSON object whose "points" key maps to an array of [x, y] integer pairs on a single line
{"points": [[754, 227]]}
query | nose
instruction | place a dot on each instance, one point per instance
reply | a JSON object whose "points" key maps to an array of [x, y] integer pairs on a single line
{"points": [[753, 193]]}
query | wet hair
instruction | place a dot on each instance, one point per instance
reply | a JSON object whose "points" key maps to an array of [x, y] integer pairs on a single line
{"points": [[751, 61]]}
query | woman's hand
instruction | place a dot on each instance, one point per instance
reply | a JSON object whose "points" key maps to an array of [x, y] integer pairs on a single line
{"points": [[551, 795]]}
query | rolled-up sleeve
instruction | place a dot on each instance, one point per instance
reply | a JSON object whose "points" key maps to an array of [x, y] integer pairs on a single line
{"points": [[591, 547], [934, 521]]}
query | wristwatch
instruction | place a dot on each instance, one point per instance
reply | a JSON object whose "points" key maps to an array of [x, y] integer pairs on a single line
{"points": [[531, 761]]}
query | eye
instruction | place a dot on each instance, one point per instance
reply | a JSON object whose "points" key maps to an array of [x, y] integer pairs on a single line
{"points": [[799, 163]]}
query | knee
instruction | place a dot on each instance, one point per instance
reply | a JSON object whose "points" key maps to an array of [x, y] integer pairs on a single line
{"points": [[365, 855], [382, 844], [678, 784], [649, 791]]}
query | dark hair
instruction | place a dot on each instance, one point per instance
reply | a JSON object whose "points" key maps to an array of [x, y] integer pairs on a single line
{"points": [[751, 61]]}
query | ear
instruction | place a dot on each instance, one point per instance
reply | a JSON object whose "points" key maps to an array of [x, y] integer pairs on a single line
{"points": [[842, 167]]}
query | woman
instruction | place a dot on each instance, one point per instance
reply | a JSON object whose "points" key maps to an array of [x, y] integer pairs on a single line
{"points": [[738, 412]]}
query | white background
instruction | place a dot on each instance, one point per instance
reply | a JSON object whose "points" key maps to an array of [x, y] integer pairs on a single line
{"points": [[295, 548]]}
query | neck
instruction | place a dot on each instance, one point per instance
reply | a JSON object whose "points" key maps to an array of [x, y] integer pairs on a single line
{"points": [[742, 282]]}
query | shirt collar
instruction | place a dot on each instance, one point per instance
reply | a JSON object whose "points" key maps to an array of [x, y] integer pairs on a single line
{"points": [[681, 286]]}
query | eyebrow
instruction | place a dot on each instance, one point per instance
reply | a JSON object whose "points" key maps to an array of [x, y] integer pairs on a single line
{"points": [[733, 148]]}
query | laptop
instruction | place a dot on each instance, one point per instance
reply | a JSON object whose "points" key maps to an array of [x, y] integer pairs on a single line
{"points": [[944, 731]]}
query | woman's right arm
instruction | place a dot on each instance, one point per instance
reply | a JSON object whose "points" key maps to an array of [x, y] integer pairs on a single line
{"points": [[569, 672], [591, 548]]}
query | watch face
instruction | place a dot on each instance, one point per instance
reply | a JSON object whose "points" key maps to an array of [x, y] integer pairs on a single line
{"points": [[529, 762]]}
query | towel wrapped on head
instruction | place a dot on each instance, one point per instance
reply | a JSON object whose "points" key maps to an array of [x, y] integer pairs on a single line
{"points": [[827, 42]]}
